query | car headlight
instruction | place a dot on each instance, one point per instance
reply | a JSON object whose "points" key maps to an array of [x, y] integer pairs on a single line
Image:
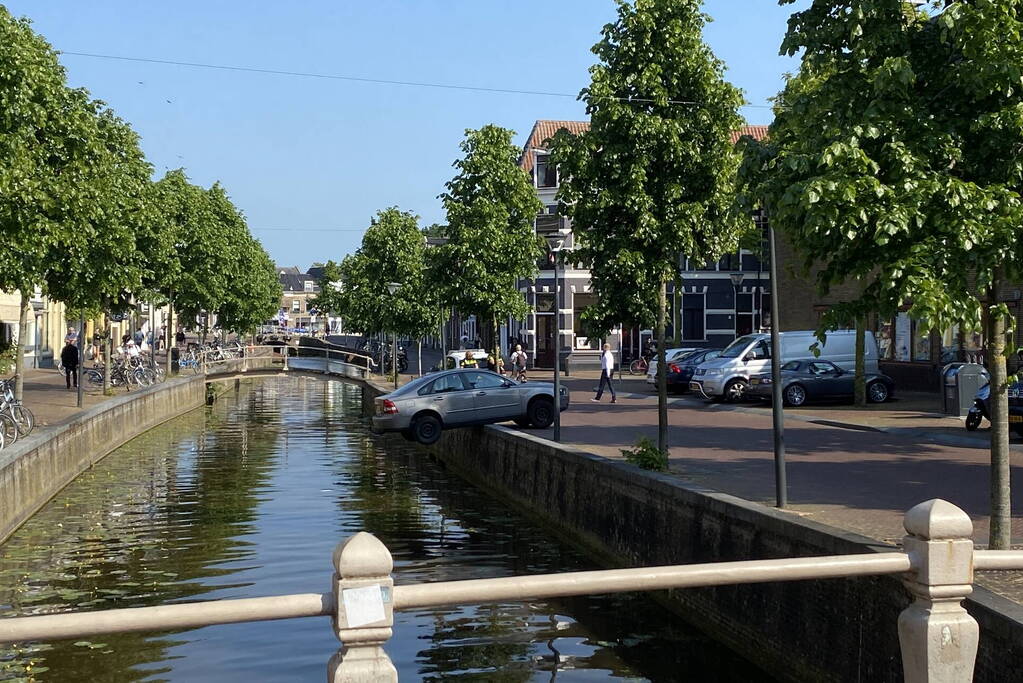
{"points": [[700, 371], [712, 371], [564, 391], [766, 380]]}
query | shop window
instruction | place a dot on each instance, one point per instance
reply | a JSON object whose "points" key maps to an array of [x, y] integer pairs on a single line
{"points": [[885, 346], [745, 317], [921, 342], [544, 303]]}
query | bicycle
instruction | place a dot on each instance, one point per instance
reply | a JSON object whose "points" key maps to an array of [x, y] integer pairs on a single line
{"points": [[22, 416], [639, 366]]}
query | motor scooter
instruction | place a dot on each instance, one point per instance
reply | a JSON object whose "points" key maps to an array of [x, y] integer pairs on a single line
{"points": [[978, 411]]}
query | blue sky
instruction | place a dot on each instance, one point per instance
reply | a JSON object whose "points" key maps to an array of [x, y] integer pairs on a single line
{"points": [[309, 160]]}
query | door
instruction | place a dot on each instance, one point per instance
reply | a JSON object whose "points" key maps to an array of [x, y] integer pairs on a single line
{"points": [[494, 399], [546, 332], [830, 380], [451, 399]]}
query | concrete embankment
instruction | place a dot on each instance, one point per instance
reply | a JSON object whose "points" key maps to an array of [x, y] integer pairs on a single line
{"points": [[829, 630], [34, 469]]}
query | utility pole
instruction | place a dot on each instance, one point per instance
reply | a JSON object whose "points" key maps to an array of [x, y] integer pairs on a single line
{"points": [[777, 409]]}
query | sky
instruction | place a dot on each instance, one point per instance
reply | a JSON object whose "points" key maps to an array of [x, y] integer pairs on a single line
{"points": [[310, 160]]}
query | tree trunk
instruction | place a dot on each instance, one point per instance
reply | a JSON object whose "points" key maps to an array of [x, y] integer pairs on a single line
{"points": [[108, 348], [859, 381], [19, 357], [662, 378], [1001, 507], [167, 336]]}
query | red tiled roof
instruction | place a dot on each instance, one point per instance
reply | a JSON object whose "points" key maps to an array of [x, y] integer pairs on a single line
{"points": [[544, 130]]}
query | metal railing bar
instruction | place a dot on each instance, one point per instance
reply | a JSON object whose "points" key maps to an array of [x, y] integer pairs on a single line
{"points": [[165, 617], [998, 559], [647, 578]]}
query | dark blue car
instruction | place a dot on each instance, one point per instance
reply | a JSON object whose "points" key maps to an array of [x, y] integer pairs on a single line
{"points": [[681, 370]]}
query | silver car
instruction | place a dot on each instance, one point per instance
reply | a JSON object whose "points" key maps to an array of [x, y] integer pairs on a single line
{"points": [[461, 398]]}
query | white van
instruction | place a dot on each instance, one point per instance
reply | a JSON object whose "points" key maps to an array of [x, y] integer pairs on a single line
{"points": [[727, 376]]}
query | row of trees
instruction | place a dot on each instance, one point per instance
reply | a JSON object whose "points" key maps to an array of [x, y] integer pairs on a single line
{"points": [[490, 244], [81, 218]]}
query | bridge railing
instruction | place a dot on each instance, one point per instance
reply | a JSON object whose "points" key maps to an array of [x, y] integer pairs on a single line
{"points": [[938, 637], [229, 361]]}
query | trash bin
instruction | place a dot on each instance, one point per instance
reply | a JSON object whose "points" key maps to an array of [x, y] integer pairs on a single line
{"points": [[175, 359], [960, 383]]}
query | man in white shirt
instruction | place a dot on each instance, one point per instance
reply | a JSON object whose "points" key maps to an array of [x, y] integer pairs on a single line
{"points": [[607, 368]]}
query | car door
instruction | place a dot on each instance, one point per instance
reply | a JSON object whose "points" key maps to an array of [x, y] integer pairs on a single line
{"points": [[495, 399], [452, 400], [829, 381]]}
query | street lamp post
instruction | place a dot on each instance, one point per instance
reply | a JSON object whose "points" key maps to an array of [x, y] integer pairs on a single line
{"points": [[736, 279], [392, 289], [557, 240]]}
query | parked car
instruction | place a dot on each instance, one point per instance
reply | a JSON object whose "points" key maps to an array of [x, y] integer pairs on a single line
{"points": [[680, 371], [462, 398], [728, 375], [814, 379], [669, 356]]}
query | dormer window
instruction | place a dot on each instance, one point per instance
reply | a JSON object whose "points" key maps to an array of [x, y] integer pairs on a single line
{"points": [[308, 285], [546, 171]]}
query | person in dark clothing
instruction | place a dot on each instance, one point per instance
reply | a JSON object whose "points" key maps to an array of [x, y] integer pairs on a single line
{"points": [[69, 358]]}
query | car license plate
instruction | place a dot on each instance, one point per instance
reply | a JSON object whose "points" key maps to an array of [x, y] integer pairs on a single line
{"points": [[1016, 418], [755, 380]]}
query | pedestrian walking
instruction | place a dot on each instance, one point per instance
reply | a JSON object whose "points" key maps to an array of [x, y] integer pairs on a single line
{"points": [[518, 363], [69, 358], [607, 369]]}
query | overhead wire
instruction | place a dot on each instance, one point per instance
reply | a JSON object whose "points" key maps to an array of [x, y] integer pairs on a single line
{"points": [[379, 81]]}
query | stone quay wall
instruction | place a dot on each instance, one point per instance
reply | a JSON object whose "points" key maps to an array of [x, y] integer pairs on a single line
{"points": [[36, 468], [825, 630]]}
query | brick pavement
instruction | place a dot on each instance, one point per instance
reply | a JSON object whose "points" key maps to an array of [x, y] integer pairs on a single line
{"points": [[860, 479]]}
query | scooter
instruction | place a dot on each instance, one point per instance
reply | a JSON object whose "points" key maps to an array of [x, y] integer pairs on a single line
{"points": [[978, 410]]}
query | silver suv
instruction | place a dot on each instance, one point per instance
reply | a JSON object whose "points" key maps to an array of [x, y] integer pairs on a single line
{"points": [[461, 398]]}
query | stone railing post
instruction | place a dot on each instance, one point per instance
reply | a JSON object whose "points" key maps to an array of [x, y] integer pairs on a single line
{"points": [[363, 611], [938, 636]]}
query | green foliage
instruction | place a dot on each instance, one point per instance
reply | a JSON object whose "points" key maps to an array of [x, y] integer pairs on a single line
{"points": [[646, 455], [393, 250], [491, 207], [893, 161], [653, 176]]}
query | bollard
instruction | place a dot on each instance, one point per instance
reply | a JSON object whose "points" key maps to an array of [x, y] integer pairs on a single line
{"points": [[363, 611], [938, 636]]}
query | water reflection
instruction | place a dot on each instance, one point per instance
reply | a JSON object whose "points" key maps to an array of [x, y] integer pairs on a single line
{"points": [[249, 498]]}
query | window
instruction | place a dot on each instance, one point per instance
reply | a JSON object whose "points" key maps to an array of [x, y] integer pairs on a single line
{"points": [[822, 368], [483, 380], [791, 365], [296, 306], [581, 302], [546, 172], [921, 342], [694, 318], [445, 384], [745, 319], [308, 284], [544, 303], [730, 263], [762, 349]]}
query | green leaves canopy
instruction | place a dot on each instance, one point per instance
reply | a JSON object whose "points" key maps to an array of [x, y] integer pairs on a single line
{"points": [[393, 250], [653, 176], [894, 158], [491, 207]]}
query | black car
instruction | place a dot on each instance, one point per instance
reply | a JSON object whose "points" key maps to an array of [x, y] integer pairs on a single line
{"points": [[807, 380], [680, 371]]}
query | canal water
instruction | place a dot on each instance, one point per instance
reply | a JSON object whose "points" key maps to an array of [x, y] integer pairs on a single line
{"points": [[249, 498]]}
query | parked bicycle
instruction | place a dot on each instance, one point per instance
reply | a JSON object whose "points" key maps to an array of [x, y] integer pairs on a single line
{"points": [[9, 405]]}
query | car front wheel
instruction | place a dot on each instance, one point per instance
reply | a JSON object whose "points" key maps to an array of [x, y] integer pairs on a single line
{"points": [[426, 429], [795, 395], [541, 413], [877, 392], [735, 390]]}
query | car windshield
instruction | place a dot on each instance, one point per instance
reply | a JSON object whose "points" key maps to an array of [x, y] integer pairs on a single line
{"points": [[735, 349]]}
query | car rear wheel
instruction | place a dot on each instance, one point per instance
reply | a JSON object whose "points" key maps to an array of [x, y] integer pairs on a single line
{"points": [[426, 429], [541, 413], [877, 392], [735, 390], [795, 395]]}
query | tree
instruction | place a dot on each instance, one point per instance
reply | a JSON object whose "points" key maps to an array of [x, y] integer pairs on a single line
{"points": [[491, 207], [393, 250], [893, 162], [653, 176]]}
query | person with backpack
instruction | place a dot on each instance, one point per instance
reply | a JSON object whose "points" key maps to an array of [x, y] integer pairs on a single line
{"points": [[519, 360]]}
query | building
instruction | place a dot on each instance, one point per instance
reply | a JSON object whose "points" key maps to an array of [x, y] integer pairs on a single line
{"points": [[45, 330], [710, 303], [298, 291]]}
